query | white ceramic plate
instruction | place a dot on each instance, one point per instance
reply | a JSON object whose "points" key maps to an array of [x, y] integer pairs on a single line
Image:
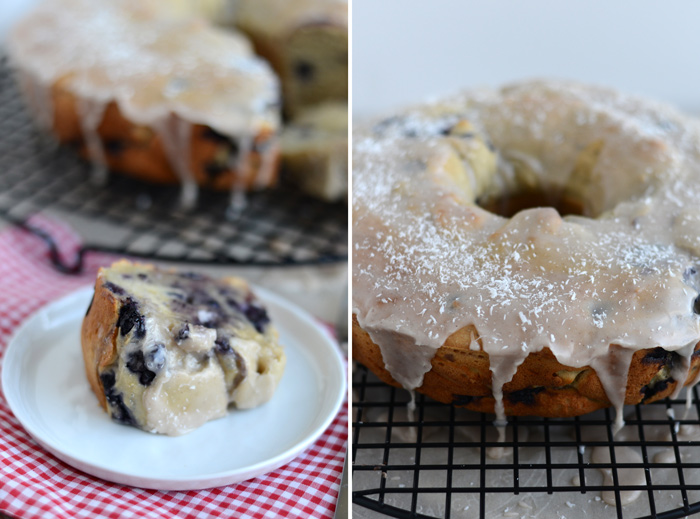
{"points": [[45, 385]]}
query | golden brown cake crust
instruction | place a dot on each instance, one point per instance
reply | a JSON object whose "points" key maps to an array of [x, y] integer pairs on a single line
{"points": [[541, 386], [137, 150], [99, 337]]}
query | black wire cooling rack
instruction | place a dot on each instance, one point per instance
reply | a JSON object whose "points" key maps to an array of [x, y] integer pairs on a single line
{"points": [[434, 461], [278, 226]]}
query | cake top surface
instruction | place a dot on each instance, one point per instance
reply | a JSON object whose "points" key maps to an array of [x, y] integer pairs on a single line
{"points": [[150, 63]]}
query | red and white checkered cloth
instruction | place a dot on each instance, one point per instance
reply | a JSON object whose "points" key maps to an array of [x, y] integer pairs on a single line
{"points": [[34, 484]]}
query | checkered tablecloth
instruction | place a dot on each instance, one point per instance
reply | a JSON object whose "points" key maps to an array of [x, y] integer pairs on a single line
{"points": [[35, 484]]}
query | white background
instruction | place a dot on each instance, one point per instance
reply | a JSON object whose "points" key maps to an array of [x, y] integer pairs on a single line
{"points": [[407, 50]]}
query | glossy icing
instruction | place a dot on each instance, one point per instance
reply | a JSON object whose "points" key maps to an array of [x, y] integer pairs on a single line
{"points": [[187, 348], [428, 261]]}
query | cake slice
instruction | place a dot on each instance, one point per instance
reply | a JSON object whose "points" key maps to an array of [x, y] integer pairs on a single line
{"points": [[315, 151], [167, 352]]}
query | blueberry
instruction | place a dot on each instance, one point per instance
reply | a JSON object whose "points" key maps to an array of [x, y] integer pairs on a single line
{"points": [[155, 357], [464, 399], [222, 345], [696, 305], [657, 356], [184, 333], [108, 380], [257, 315], [114, 146], [142, 276], [211, 135], [304, 70], [137, 365], [118, 410], [192, 275], [524, 396], [649, 391], [129, 318], [115, 289], [215, 169]]}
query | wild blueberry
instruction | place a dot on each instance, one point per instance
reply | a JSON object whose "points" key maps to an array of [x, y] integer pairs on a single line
{"points": [[184, 333], [304, 70], [649, 391], [114, 146], [656, 356], [215, 169], [129, 318], [137, 365], [222, 345], [118, 410], [464, 399], [257, 315], [115, 289], [524, 396]]}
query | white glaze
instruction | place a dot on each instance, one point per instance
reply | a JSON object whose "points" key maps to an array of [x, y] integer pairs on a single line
{"points": [[631, 477], [193, 380], [428, 261], [164, 72]]}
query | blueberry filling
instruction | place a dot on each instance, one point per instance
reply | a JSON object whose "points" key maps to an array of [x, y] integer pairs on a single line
{"points": [[464, 399], [304, 70], [137, 365], [650, 390], [215, 169], [223, 346], [524, 396], [214, 136], [184, 333], [257, 315], [129, 318], [114, 146], [657, 356], [119, 412], [115, 289]]}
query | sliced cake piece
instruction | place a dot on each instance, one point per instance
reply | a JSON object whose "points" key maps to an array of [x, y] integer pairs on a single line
{"points": [[167, 352], [315, 151]]}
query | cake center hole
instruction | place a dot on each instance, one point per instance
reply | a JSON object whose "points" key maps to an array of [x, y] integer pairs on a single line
{"points": [[512, 203]]}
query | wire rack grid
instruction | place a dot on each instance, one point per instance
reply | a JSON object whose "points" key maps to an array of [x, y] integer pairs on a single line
{"points": [[277, 227], [437, 460]]}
